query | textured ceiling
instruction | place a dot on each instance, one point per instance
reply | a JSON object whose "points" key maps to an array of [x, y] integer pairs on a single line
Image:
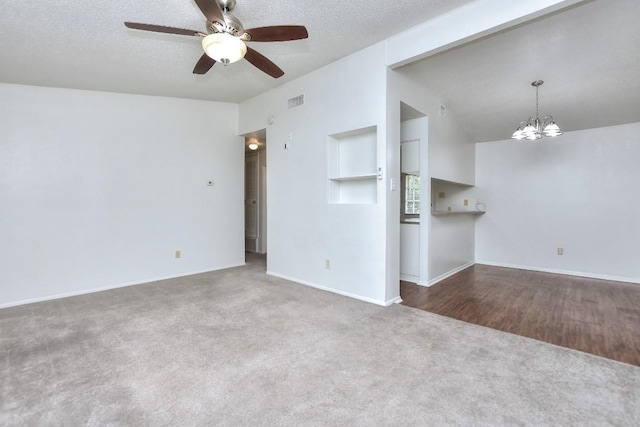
{"points": [[84, 44], [588, 57]]}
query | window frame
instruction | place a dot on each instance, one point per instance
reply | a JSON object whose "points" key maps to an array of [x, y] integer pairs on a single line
{"points": [[404, 196]]}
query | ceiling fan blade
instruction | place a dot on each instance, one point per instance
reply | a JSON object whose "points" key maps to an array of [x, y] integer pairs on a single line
{"points": [[277, 33], [204, 64], [211, 10], [163, 29], [263, 63]]}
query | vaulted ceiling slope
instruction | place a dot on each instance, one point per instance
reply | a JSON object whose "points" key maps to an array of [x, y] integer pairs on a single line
{"points": [[588, 57]]}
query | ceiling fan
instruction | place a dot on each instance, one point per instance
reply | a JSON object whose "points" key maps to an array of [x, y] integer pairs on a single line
{"points": [[225, 37]]}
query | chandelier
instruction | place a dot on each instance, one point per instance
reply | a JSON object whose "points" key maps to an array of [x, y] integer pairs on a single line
{"points": [[534, 128]]}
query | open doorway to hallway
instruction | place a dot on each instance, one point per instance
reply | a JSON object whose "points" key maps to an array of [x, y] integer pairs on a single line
{"points": [[255, 195]]}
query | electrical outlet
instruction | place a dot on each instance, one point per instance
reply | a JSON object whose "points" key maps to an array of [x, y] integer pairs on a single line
{"points": [[327, 264], [560, 251], [441, 195], [466, 202], [178, 254]]}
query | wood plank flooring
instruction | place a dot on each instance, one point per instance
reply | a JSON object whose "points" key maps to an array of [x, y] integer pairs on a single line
{"points": [[595, 316]]}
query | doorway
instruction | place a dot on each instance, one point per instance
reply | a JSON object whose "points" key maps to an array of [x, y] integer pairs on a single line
{"points": [[413, 210], [255, 196]]}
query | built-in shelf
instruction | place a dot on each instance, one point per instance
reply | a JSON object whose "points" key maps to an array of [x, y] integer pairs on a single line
{"points": [[444, 213], [353, 177]]}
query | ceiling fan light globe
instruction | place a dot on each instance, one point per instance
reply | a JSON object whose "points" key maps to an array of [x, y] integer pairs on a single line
{"points": [[224, 47]]}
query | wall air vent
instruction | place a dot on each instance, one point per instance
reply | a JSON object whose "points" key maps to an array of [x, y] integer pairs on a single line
{"points": [[296, 102]]}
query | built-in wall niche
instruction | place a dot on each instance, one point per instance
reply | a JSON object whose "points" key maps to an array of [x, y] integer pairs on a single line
{"points": [[353, 166], [454, 198]]}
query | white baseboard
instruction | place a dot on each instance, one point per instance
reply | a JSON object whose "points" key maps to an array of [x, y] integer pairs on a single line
{"points": [[107, 288], [409, 278], [396, 300], [335, 291], [565, 272], [448, 274]]}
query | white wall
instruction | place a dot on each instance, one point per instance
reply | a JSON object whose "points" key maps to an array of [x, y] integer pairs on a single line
{"points": [[451, 238], [98, 190], [578, 192], [452, 245], [304, 229]]}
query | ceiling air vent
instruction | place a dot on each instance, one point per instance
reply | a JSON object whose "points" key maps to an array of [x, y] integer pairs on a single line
{"points": [[296, 102]]}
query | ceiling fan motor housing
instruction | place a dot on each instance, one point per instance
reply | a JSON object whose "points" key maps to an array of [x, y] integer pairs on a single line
{"points": [[232, 25]]}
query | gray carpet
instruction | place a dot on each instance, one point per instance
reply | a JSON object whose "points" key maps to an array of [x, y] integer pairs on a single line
{"points": [[236, 347]]}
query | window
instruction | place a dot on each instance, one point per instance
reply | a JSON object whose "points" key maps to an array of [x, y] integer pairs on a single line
{"points": [[412, 194]]}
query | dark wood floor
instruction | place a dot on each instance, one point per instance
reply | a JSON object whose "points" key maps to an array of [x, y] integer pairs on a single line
{"points": [[595, 316]]}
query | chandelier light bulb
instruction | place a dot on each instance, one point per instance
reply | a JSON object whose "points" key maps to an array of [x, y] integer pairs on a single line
{"points": [[518, 134], [529, 129], [552, 129]]}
